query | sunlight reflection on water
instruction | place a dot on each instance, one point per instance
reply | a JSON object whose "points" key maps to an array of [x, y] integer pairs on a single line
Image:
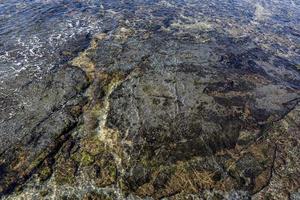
{"points": [[32, 32]]}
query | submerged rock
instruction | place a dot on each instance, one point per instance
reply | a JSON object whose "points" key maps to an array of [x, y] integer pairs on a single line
{"points": [[156, 110], [40, 122]]}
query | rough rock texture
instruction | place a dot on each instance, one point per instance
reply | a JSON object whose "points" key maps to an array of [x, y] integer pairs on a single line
{"points": [[157, 109], [41, 125]]}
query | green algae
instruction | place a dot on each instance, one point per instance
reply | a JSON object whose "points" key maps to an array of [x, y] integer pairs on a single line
{"points": [[86, 159], [44, 173]]}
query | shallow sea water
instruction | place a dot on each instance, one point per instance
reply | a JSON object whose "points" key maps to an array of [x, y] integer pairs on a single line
{"points": [[38, 35], [33, 33]]}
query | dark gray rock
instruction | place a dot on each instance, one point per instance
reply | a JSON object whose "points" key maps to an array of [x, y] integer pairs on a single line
{"points": [[41, 112], [173, 100]]}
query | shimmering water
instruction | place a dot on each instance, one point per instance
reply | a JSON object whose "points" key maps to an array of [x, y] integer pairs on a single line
{"points": [[36, 35], [33, 33]]}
